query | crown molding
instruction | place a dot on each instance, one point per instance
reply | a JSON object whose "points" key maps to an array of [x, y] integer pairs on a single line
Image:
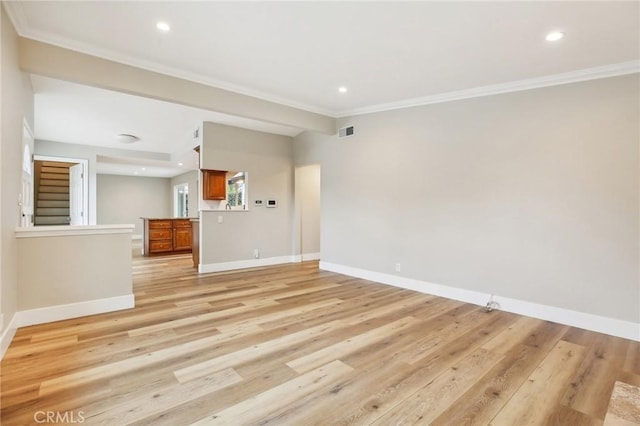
{"points": [[18, 17], [612, 70]]}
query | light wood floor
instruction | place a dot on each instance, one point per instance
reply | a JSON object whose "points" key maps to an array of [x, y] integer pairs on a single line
{"points": [[298, 346]]}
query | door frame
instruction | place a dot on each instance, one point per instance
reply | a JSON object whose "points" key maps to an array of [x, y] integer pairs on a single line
{"points": [[85, 179]]}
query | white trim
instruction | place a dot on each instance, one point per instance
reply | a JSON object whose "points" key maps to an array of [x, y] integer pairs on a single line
{"points": [[68, 230], [17, 16], [85, 179], [7, 336], [310, 256], [606, 71], [136, 236], [74, 310], [243, 264], [612, 326], [305, 257]]}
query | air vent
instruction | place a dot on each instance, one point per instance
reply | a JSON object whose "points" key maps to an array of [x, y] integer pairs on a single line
{"points": [[345, 131]]}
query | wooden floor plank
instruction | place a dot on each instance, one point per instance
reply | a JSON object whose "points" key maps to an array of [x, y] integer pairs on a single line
{"points": [[279, 397], [538, 397], [294, 345], [599, 370], [431, 400]]}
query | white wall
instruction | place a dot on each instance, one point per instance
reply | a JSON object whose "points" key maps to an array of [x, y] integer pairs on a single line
{"points": [[56, 271], [267, 159], [16, 105], [531, 195], [125, 199], [190, 178]]}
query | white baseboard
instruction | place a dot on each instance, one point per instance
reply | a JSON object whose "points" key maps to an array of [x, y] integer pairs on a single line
{"points": [[7, 336], [310, 256], [614, 327], [73, 310], [204, 268], [305, 256]]}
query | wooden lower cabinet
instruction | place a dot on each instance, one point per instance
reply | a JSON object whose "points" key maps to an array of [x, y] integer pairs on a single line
{"points": [[182, 235], [166, 236]]}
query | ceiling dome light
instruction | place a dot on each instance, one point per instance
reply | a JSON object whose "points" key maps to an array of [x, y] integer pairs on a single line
{"points": [[342, 89], [126, 138], [554, 36], [163, 26]]}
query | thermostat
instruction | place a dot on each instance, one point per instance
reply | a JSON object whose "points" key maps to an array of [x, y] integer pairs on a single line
{"points": [[272, 203]]}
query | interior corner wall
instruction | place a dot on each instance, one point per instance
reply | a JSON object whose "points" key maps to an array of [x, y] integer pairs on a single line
{"points": [[532, 195], [16, 106], [125, 199], [267, 159], [190, 178]]}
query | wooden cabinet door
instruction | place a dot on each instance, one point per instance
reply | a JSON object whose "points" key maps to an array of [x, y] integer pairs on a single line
{"points": [[182, 238], [214, 185]]}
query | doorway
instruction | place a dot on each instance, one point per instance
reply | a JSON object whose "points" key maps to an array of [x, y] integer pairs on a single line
{"points": [[60, 191], [307, 211], [181, 200]]}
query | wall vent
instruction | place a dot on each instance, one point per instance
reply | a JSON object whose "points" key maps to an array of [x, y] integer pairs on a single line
{"points": [[345, 131]]}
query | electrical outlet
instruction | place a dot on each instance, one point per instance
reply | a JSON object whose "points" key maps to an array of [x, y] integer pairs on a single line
{"points": [[398, 267], [256, 253], [220, 219]]}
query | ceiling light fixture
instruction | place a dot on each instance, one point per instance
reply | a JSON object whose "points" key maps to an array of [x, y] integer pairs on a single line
{"points": [[127, 138], [554, 36], [342, 89], [163, 26], [180, 164]]}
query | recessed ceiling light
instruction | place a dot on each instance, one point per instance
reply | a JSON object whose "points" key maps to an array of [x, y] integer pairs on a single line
{"points": [[135, 173], [180, 164], [554, 36], [163, 26], [342, 89], [144, 168]]}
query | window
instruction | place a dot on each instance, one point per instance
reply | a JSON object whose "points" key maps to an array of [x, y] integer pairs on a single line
{"points": [[236, 190], [181, 200]]}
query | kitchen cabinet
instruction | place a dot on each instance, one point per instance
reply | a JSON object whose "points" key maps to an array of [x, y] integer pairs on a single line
{"points": [[166, 236], [214, 184], [181, 234]]}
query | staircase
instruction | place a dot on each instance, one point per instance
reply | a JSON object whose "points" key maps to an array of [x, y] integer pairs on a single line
{"points": [[51, 181]]}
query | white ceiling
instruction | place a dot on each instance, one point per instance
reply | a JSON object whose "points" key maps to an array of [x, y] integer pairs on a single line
{"points": [[299, 53]]}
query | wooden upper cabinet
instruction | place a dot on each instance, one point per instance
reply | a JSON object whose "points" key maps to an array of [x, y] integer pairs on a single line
{"points": [[214, 186]]}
